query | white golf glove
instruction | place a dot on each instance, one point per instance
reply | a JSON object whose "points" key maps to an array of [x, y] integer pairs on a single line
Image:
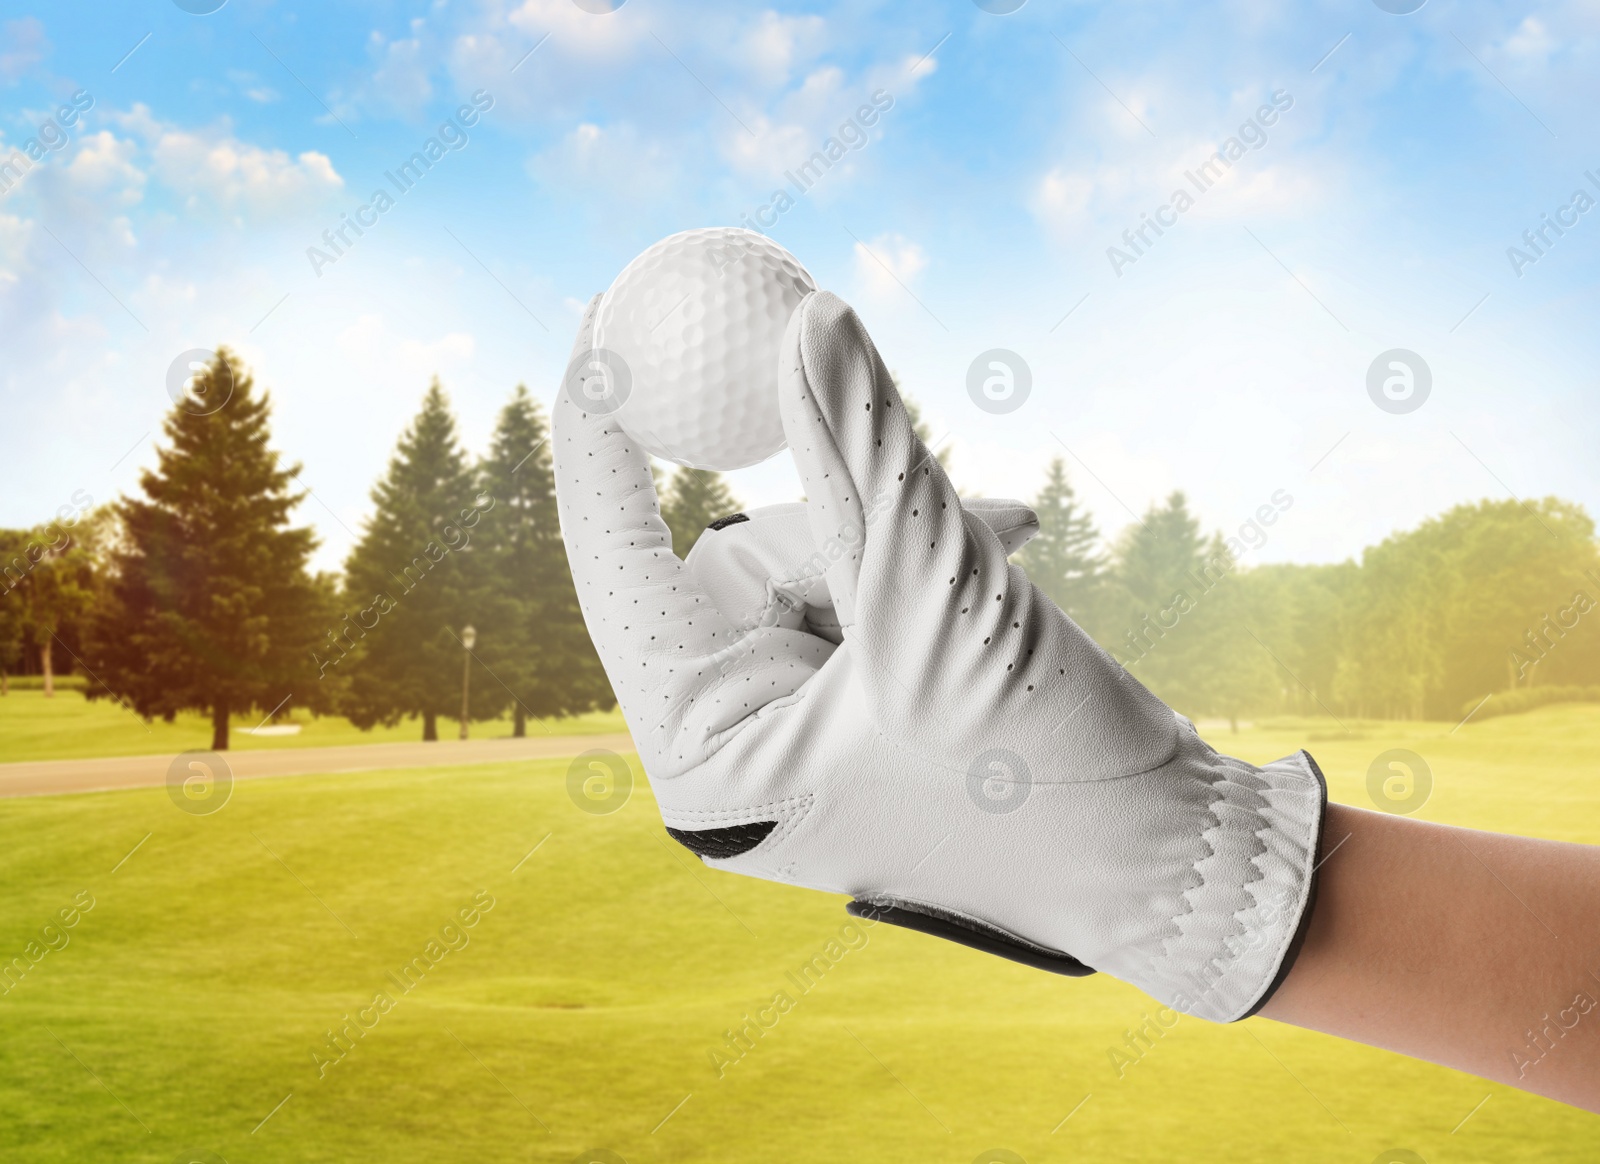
{"points": [[889, 709]]}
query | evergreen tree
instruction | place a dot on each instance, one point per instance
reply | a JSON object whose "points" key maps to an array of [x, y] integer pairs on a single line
{"points": [[1226, 667], [208, 604], [1162, 575], [1062, 559], [531, 634], [694, 499], [411, 581]]}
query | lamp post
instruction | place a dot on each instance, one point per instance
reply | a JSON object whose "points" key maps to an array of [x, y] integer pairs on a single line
{"points": [[468, 637]]}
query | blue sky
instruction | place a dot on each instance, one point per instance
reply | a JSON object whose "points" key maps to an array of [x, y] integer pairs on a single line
{"points": [[1228, 360]]}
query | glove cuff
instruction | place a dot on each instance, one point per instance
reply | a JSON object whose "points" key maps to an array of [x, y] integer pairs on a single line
{"points": [[1247, 915]]}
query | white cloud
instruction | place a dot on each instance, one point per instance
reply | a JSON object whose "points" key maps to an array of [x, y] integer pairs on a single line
{"points": [[104, 167], [1532, 43], [211, 166], [886, 263], [370, 342], [1063, 196], [917, 68], [14, 235], [611, 163], [253, 88], [401, 76], [774, 44], [1269, 189], [586, 34], [25, 46]]}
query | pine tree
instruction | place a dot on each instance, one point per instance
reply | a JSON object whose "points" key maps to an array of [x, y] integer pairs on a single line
{"points": [[1062, 559], [694, 499], [531, 634], [1182, 622], [208, 603], [411, 581], [1161, 576]]}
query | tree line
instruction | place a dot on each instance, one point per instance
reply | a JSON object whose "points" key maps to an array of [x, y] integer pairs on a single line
{"points": [[1490, 600], [198, 594]]}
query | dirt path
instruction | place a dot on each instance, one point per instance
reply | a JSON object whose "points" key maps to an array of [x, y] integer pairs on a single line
{"points": [[47, 777]]}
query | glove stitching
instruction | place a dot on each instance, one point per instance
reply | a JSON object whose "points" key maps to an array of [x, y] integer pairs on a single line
{"points": [[789, 812], [1272, 821], [705, 815]]}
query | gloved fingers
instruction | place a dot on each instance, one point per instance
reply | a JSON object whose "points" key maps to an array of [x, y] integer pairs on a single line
{"points": [[762, 567], [674, 661]]}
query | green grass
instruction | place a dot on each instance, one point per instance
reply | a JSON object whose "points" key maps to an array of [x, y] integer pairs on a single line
{"points": [[198, 988], [70, 727]]}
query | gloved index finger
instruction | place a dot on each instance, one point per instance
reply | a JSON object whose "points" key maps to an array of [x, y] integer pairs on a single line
{"points": [[673, 659]]}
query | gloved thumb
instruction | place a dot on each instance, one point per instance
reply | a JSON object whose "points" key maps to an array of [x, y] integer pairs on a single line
{"points": [[952, 640], [877, 499]]}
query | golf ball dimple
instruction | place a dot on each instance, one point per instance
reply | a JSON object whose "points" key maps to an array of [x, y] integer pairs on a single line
{"points": [[698, 321]]}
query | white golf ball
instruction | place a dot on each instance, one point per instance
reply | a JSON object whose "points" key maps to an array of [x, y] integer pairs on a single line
{"points": [[698, 321]]}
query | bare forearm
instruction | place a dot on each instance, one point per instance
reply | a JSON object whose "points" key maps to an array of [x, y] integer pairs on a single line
{"points": [[1474, 950]]}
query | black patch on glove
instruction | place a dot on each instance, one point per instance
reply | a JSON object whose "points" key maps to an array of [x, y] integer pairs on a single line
{"points": [[724, 522], [718, 844], [968, 932]]}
